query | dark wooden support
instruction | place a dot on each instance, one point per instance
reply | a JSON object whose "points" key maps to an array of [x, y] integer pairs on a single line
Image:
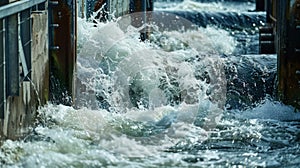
{"points": [[3, 2], [269, 8], [2, 71], [288, 45], [2, 66], [62, 42], [260, 5], [12, 56], [266, 40], [266, 33]]}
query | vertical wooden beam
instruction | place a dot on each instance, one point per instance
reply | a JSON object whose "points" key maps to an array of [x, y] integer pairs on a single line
{"points": [[269, 9], [12, 56], [2, 66], [266, 33], [62, 41], [2, 71], [288, 45]]}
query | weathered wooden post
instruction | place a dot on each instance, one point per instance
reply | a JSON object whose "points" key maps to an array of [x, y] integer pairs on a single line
{"points": [[288, 50], [12, 87], [23, 65], [62, 41], [2, 68]]}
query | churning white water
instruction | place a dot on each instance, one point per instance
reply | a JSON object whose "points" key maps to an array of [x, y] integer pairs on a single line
{"points": [[166, 102], [206, 5]]}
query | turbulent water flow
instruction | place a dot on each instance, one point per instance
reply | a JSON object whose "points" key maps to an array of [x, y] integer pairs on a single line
{"points": [[187, 97]]}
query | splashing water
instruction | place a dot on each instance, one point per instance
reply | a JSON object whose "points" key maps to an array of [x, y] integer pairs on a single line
{"points": [[161, 103], [212, 5]]}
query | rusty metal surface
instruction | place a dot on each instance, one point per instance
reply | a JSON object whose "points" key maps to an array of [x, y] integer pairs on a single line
{"points": [[62, 41]]}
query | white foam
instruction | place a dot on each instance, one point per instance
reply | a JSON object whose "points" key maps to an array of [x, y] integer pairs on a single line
{"points": [[191, 5], [273, 110]]}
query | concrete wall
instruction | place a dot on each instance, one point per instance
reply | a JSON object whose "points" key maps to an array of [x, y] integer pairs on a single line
{"points": [[21, 110]]}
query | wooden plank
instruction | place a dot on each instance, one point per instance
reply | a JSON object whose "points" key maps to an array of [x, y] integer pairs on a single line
{"points": [[288, 58], [12, 56], [62, 51], [2, 72]]}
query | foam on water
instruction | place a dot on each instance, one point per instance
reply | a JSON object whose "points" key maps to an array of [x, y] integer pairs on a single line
{"points": [[134, 72], [133, 135], [272, 110], [75, 138], [112, 127], [192, 5]]}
